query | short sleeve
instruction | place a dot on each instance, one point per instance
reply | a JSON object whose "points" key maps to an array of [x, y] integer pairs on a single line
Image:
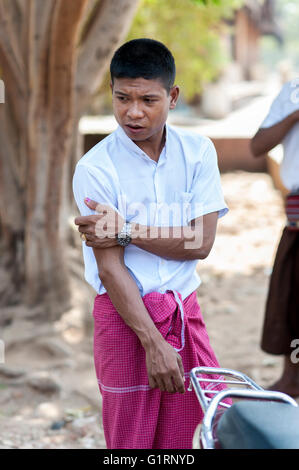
{"points": [[206, 190], [279, 109], [92, 182]]}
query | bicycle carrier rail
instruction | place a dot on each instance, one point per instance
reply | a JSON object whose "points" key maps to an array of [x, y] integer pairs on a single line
{"points": [[243, 388]]}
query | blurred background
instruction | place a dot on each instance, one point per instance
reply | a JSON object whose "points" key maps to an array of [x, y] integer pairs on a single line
{"points": [[232, 57]]}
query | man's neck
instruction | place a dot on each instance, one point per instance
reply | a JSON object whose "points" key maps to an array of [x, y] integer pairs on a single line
{"points": [[153, 147]]}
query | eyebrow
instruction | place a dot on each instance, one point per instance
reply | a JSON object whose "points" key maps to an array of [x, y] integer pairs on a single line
{"points": [[143, 96], [120, 93], [151, 96]]}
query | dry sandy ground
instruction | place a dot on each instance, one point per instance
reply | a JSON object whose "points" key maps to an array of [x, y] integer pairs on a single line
{"points": [[48, 377]]}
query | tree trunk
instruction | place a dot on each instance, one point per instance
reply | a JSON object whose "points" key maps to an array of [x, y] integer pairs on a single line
{"points": [[43, 44], [113, 19]]}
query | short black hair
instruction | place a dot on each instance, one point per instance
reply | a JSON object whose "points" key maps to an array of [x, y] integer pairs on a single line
{"points": [[144, 58]]}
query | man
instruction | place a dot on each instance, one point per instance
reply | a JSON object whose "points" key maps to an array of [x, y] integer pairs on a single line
{"points": [[281, 324], [141, 255]]}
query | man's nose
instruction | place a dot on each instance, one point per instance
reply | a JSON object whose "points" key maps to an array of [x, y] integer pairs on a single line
{"points": [[135, 111]]}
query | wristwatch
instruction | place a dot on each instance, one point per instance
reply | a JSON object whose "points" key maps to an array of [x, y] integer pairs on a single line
{"points": [[124, 236]]}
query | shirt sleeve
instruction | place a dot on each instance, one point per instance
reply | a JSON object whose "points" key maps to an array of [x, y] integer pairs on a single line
{"points": [[279, 109], [206, 190], [93, 183]]}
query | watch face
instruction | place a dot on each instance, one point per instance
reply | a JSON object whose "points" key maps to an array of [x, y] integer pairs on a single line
{"points": [[124, 241]]}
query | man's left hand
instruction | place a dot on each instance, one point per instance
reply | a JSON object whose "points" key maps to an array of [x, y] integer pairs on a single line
{"points": [[100, 230]]}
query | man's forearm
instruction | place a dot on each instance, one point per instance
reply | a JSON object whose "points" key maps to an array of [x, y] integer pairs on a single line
{"points": [[267, 138], [169, 242], [125, 296], [189, 242], [181, 243], [164, 365]]}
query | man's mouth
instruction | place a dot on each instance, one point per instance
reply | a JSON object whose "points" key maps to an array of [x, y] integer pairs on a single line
{"points": [[134, 127]]}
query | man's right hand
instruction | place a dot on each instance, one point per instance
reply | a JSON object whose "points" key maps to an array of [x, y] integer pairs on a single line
{"points": [[164, 365], [165, 368]]}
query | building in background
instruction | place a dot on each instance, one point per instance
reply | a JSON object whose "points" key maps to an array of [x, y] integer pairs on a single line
{"points": [[254, 20]]}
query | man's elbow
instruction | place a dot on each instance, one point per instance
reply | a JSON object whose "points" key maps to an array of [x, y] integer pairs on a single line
{"points": [[255, 147], [109, 272], [110, 262], [203, 252], [257, 144], [201, 245]]}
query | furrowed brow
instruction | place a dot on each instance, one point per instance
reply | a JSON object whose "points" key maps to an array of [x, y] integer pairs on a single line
{"points": [[121, 93], [151, 96]]}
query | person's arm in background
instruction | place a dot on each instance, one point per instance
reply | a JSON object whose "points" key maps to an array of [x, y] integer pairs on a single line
{"points": [[164, 364], [267, 138]]}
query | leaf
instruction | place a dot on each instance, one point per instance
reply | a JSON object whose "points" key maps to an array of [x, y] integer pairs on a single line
{"points": [[206, 2], [194, 37]]}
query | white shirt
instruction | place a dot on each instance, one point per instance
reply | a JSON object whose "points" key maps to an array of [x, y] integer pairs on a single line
{"points": [[284, 104], [118, 173]]}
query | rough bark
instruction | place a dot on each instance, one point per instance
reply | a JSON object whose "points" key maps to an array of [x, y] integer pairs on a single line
{"points": [[94, 55], [95, 52], [53, 54]]}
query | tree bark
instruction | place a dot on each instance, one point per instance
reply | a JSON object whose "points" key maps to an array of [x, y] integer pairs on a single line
{"points": [[45, 47], [113, 19]]}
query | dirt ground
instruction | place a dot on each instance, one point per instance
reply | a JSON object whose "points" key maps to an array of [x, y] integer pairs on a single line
{"points": [[48, 391]]}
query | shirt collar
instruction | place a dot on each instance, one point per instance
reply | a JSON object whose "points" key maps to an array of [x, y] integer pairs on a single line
{"points": [[132, 147]]}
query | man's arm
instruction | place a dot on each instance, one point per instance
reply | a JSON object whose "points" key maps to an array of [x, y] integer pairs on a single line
{"points": [[190, 242], [268, 137], [193, 241], [164, 364]]}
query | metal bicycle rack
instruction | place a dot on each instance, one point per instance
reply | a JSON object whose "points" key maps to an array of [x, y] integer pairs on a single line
{"points": [[242, 388]]}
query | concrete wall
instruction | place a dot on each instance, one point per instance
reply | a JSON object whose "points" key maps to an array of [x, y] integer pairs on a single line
{"points": [[233, 153]]}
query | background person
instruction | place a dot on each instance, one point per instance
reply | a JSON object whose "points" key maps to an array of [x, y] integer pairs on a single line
{"points": [[281, 323]]}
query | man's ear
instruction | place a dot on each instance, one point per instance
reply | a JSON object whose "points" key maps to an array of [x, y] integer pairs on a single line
{"points": [[111, 86], [174, 95]]}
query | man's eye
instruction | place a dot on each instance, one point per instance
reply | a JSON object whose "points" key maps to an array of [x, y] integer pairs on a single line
{"points": [[122, 98]]}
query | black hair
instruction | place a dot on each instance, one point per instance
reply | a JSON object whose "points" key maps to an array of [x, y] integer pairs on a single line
{"points": [[144, 58]]}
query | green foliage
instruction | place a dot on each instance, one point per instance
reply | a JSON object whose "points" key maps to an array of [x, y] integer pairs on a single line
{"points": [[206, 2], [192, 30]]}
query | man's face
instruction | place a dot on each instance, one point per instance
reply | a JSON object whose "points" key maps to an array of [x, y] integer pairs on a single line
{"points": [[141, 106]]}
